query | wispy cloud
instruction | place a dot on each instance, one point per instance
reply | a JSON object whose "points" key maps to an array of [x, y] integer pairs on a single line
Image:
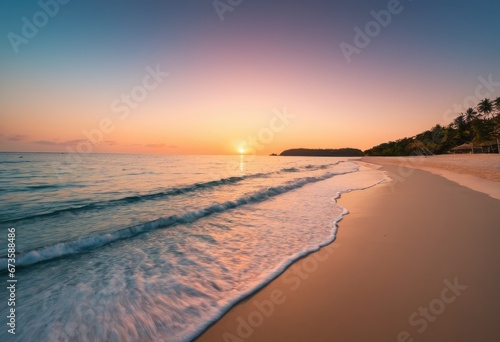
{"points": [[67, 142], [16, 137], [155, 145], [46, 142], [73, 142], [172, 146]]}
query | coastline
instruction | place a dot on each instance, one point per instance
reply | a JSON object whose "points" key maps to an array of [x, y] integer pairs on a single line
{"points": [[479, 172], [400, 247]]}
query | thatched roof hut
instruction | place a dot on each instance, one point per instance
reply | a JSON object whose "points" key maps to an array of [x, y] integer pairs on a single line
{"points": [[462, 148]]}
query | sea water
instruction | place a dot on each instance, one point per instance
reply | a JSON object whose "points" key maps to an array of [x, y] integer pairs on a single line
{"points": [[116, 247]]}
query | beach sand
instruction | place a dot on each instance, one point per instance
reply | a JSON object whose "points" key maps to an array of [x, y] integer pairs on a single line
{"points": [[415, 260], [480, 172]]}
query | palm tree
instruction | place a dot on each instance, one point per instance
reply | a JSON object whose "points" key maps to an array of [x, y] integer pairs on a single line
{"points": [[459, 122], [485, 107], [496, 130], [481, 132], [470, 114], [496, 102], [461, 134]]}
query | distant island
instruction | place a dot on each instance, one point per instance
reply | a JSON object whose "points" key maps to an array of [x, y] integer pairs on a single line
{"points": [[330, 152]]}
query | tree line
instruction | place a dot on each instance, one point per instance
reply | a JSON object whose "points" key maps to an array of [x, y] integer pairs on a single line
{"points": [[479, 126], [316, 152]]}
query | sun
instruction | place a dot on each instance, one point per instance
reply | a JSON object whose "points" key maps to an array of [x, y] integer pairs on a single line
{"points": [[241, 150]]}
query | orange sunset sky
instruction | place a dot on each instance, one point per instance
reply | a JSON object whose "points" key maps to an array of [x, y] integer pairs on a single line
{"points": [[227, 78]]}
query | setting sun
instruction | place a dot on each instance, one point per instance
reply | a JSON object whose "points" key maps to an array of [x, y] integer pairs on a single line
{"points": [[177, 170]]}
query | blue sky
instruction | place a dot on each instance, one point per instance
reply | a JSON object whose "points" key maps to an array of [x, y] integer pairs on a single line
{"points": [[264, 54]]}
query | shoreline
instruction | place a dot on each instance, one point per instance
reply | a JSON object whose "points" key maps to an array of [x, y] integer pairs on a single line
{"points": [[335, 291], [479, 172], [296, 259]]}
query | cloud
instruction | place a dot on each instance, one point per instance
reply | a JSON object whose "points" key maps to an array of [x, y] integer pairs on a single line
{"points": [[16, 137], [172, 146], [67, 142], [155, 145], [74, 141], [110, 142], [45, 142]]}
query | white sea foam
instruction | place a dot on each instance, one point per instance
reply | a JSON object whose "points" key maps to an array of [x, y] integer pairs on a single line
{"points": [[170, 284], [83, 244]]}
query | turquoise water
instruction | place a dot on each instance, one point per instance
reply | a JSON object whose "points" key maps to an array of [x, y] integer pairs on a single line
{"points": [[154, 247]]}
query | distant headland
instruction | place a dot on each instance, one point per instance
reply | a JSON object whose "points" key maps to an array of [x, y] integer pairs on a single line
{"points": [[308, 152]]}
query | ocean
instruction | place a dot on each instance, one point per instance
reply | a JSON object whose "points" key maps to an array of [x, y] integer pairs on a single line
{"points": [[115, 247]]}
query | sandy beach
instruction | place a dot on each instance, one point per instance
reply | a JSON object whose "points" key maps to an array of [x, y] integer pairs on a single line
{"points": [[480, 172], [415, 260]]}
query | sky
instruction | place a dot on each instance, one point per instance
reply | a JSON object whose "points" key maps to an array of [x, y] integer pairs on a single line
{"points": [[238, 76]]}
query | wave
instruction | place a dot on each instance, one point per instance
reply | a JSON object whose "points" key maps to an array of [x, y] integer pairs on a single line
{"points": [[320, 167], [46, 187], [43, 186], [309, 167], [93, 241], [151, 196], [14, 161], [138, 198], [279, 269]]}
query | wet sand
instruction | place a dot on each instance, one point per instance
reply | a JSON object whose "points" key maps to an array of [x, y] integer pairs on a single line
{"points": [[415, 260]]}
